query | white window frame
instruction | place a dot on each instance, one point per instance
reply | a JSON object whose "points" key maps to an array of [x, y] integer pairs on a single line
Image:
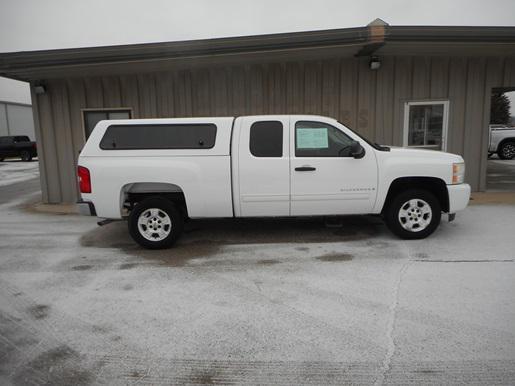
{"points": [[445, 122], [101, 109]]}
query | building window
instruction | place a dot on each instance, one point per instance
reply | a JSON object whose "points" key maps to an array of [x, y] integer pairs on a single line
{"points": [[92, 117], [162, 136], [425, 124], [266, 139], [317, 139]]}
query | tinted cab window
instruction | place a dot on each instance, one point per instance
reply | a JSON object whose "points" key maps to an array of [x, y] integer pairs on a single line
{"points": [[163, 136], [266, 139]]}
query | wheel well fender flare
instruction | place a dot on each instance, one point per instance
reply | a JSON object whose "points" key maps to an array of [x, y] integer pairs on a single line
{"points": [[435, 185], [132, 193]]}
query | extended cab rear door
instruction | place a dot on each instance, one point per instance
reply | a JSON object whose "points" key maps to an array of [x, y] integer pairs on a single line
{"points": [[261, 166], [325, 178]]}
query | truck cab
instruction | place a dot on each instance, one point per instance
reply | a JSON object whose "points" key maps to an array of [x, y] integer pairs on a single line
{"points": [[157, 172]]}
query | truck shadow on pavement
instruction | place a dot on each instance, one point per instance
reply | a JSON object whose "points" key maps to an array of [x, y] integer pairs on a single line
{"points": [[203, 238]]}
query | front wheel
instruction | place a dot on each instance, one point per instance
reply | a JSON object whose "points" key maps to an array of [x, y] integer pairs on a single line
{"points": [[413, 214], [155, 223], [507, 150]]}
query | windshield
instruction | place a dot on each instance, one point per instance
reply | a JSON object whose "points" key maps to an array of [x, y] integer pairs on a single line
{"points": [[373, 144]]}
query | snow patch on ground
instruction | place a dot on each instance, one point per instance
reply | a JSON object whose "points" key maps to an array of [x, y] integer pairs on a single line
{"points": [[17, 171]]}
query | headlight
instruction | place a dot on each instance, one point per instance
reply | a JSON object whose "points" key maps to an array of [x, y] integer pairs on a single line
{"points": [[458, 173]]}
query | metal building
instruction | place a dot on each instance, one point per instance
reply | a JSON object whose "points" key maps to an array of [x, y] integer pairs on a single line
{"points": [[16, 119], [406, 86]]}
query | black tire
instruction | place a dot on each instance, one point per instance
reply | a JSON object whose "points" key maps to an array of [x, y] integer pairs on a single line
{"points": [[507, 150], [400, 202], [163, 205], [25, 156], [2, 159]]}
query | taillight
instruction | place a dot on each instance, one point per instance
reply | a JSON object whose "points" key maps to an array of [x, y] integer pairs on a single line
{"points": [[84, 179]]}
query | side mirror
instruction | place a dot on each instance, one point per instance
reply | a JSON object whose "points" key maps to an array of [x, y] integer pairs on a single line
{"points": [[356, 150]]}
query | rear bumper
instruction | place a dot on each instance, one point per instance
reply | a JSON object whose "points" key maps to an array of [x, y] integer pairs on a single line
{"points": [[86, 208], [459, 196]]}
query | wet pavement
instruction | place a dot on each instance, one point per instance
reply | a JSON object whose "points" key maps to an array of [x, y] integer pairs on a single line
{"points": [[288, 301], [500, 175]]}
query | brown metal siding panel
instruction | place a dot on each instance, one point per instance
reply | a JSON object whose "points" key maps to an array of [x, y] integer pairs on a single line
{"points": [[238, 90], [182, 82], [330, 88], [77, 102], [348, 92], [276, 89], [366, 99], [130, 94], [509, 72], [474, 120], [164, 94], [294, 87], [219, 94], [49, 143], [384, 105], [111, 91], [402, 93], [200, 92], [147, 95], [63, 139], [421, 78], [43, 175], [457, 92], [94, 92], [313, 87], [256, 92], [439, 78]]}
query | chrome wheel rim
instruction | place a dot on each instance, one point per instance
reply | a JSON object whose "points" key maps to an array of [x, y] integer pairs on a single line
{"points": [[415, 215], [154, 224], [508, 150]]}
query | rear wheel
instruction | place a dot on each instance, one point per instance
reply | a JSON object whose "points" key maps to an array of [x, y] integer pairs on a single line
{"points": [[413, 214], [507, 150], [25, 156], [155, 223]]}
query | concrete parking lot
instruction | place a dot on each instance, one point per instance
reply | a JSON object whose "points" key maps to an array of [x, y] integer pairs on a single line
{"points": [[500, 174], [255, 302]]}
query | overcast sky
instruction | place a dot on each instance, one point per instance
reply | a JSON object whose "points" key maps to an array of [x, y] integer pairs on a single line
{"points": [[47, 24]]}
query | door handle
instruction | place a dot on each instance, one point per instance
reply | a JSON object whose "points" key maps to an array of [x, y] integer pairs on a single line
{"points": [[305, 169]]}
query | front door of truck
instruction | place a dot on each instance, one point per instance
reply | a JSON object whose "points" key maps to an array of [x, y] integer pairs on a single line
{"points": [[263, 180], [325, 178]]}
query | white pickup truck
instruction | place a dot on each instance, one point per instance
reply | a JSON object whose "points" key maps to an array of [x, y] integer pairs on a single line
{"points": [[159, 172], [502, 141]]}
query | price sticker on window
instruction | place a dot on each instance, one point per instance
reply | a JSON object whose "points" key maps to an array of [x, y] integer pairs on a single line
{"points": [[312, 138]]}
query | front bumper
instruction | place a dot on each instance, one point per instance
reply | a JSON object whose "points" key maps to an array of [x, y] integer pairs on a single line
{"points": [[459, 196], [86, 208]]}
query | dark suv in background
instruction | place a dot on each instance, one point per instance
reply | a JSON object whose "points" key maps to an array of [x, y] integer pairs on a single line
{"points": [[17, 146]]}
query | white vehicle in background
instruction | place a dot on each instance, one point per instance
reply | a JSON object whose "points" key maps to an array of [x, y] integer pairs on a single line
{"points": [[159, 172], [502, 141]]}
